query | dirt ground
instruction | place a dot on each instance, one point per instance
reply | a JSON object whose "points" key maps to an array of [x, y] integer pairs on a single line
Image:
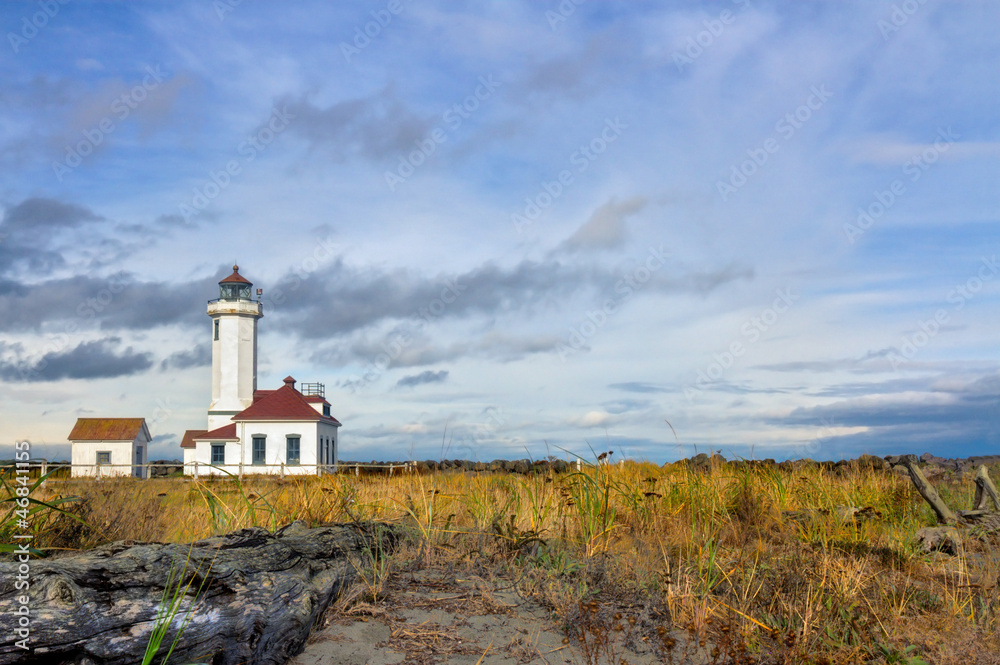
{"points": [[435, 616]]}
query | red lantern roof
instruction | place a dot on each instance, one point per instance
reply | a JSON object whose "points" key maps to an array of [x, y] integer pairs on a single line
{"points": [[237, 278]]}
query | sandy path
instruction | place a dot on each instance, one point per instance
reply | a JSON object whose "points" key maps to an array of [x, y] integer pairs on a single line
{"points": [[435, 617]]}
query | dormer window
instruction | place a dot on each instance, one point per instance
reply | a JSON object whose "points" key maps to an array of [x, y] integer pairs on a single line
{"points": [[326, 410]]}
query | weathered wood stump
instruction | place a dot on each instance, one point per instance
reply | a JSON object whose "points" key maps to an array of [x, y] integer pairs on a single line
{"points": [[263, 593], [984, 523]]}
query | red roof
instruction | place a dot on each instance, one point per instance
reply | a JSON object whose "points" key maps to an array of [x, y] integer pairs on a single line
{"points": [[224, 433], [236, 277], [312, 399], [285, 403], [107, 429], [190, 436]]}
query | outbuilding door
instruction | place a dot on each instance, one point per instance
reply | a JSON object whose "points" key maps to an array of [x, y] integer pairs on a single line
{"points": [[137, 467]]}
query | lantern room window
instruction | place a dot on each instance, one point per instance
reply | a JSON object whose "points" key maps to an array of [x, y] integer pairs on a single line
{"points": [[234, 291]]}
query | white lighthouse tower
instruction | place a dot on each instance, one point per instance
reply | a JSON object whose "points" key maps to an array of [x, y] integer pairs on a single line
{"points": [[234, 349]]}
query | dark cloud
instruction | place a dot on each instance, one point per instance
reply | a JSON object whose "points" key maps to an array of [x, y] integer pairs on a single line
{"points": [[30, 234], [167, 440], [621, 406], [199, 356], [340, 301], [115, 302], [168, 222], [343, 299], [873, 361], [947, 417], [379, 126], [596, 66], [706, 282], [89, 360], [641, 387], [417, 350], [39, 216], [423, 378]]}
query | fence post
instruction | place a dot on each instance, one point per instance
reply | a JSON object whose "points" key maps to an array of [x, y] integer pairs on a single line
{"points": [[282, 470], [357, 470]]}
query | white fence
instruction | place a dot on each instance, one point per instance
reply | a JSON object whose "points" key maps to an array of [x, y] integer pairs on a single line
{"points": [[203, 469]]}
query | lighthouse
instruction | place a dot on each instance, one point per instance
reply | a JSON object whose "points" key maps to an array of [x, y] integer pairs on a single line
{"points": [[234, 348], [285, 430]]}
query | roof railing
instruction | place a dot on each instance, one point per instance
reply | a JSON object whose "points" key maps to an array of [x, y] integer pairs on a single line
{"points": [[315, 389]]}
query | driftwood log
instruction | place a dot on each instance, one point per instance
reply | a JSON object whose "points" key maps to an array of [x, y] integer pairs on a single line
{"points": [[263, 593], [983, 521]]}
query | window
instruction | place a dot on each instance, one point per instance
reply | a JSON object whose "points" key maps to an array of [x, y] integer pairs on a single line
{"points": [[292, 449], [104, 457], [216, 329], [234, 291], [326, 409], [218, 453], [259, 449]]}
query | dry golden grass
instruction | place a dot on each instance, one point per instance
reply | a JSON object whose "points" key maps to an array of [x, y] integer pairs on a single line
{"points": [[710, 554]]}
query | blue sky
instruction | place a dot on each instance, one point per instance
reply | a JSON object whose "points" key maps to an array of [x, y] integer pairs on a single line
{"points": [[510, 229]]}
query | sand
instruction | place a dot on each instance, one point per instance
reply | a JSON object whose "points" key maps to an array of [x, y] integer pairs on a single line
{"points": [[434, 616]]}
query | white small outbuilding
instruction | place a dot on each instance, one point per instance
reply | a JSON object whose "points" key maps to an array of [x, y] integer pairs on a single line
{"points": [[105, 447]]}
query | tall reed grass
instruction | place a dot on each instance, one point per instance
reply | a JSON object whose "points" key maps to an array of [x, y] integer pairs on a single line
{"points": [[769, 555]]}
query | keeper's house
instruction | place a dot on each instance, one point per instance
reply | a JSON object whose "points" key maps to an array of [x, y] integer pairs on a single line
{"points": [[282, 431], [105, 447]]}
